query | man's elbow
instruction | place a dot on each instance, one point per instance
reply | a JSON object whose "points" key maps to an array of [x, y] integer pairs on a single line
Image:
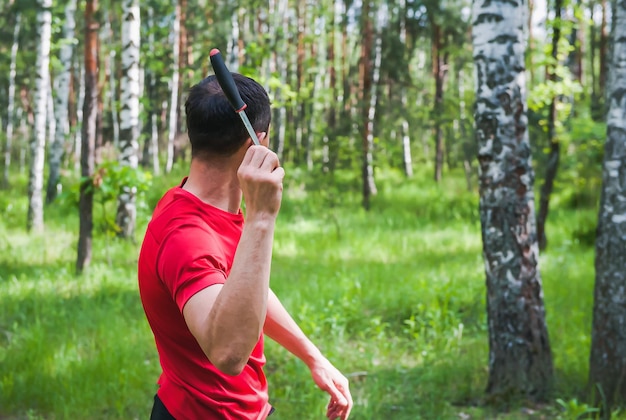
{"points": [[229, 363]]}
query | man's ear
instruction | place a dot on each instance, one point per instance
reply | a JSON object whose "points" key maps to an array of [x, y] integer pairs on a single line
{"points": [[261, 136]]}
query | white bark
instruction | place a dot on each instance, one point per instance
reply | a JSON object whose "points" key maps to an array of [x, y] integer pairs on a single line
{"points": [[608, 338], [520, 360], [78, 139], [173, 117], [154, 126], [232, 48], [279, 13], [129, 115], [11, 100], [407, 158], [42, 84], [61, 94], [319, 87]]}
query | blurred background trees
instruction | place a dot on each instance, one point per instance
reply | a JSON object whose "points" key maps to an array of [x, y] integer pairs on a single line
{"points": [[355, 86]]}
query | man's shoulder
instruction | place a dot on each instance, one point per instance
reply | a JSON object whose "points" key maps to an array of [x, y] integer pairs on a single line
{"points": [[175, 199]]}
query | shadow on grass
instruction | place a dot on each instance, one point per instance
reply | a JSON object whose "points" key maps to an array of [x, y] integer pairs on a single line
{"points": [[79, 353]]}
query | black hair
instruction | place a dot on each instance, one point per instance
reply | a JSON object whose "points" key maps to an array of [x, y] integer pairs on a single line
{"points": [[213, 125]]}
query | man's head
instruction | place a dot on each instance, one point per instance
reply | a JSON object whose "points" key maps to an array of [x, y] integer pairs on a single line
{"points": [[214, 128]]}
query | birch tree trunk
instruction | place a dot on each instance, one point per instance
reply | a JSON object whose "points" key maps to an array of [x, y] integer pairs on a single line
{"points": [[111, 76], [80, 104], [407, 159], [129, 115], [520, 360], [370, 73], [280, 23], [61, 108], [440, 71], [330, 135], [232, 46], [88, 136], [405, 132], [173, 115], [42, 85], [151, 147], [11, 102], [319, 87], [183, 63], [608, 339], [299, 107]]}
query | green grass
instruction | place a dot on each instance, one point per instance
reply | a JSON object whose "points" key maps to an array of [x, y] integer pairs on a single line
{"points": [[394, 297]]}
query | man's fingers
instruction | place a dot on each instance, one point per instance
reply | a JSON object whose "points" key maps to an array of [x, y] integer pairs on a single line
{"points": [[260, 157], [335, 411], [270, 162], [332, 411], [279, 173], [336, 395], [340, 402]]}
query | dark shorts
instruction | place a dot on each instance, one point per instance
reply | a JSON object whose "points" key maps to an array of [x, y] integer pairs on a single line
{"points": [[159, 412]]}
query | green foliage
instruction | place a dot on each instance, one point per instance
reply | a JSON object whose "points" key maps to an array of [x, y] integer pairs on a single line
{"points": [[107, 182], [574, 409], [580, 175]]}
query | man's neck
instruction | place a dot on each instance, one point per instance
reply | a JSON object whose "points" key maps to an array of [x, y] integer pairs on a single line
{"points": [[215, 183]]}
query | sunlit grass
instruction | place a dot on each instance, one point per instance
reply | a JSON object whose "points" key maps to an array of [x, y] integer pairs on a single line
{"points": [[395, 297]]}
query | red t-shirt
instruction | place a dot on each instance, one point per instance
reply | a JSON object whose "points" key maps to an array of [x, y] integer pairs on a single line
{"points": [[190, 245]]}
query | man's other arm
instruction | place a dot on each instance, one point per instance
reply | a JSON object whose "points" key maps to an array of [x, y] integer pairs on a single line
{"points": [[281, 327]]}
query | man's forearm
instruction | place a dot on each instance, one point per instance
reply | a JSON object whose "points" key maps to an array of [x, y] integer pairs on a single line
{"points": [[236, 319], [280, 327]]}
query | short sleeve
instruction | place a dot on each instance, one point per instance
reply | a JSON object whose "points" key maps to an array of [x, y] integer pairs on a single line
{"points": [[189, 261]]}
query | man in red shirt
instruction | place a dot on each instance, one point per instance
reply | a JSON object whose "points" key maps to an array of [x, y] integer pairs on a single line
{"points": [[204, 273]]}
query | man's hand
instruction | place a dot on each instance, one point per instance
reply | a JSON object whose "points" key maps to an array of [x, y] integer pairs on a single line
{"points": [[261, 181], [329, 379]]}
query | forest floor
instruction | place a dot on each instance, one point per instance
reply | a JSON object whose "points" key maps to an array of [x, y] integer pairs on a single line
{"points": [[394, 296]]}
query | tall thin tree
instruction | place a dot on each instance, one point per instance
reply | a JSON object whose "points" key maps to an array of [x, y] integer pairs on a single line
{"points": [[173, 115], [129, 115], [61, 109], [607, 371], [520, 360], [151, 146], [369, 71], [405, 132], [42, 85], [88, 136], [440, 73], [554, 155], [11, 101]]}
